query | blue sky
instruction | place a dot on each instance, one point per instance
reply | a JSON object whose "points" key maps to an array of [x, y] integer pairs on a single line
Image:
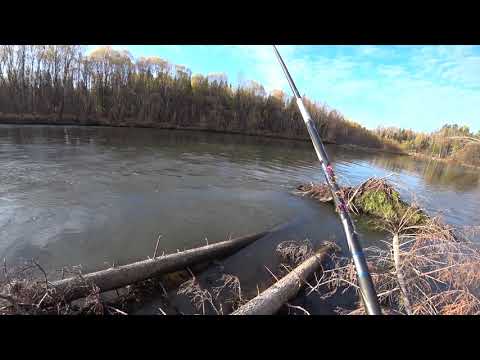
{"points": [[417, 87]]}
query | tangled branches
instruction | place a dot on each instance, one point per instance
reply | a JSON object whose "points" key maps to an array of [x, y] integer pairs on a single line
{"points": [[295, 252], [231, 289], [427, 267], [21, 293], [228, 292], [198, 296], [440, 278], [375, 197]]}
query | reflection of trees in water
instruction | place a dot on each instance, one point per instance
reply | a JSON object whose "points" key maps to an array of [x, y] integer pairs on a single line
{"points": [[460, 178], [171, 143], [397, 163], [433, 172], [237, 149]]}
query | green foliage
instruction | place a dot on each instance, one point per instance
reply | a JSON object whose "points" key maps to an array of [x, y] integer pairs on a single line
{"points": [[379, 204], [446, 143], [387, 206]]}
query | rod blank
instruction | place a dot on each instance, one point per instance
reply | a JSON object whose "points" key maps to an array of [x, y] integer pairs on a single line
{"points": [[367, 290]]}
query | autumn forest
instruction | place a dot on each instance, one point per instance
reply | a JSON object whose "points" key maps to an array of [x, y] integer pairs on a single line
{"points": [[53, 84]]}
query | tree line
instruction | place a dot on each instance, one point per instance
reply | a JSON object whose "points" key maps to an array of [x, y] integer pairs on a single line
{"points": [[63, 84], [451, 141]]}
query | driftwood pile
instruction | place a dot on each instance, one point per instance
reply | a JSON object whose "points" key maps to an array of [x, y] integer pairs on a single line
{"points": [[20, 295], [374, 197], [424, 266], [285, 289], [135, 282]]}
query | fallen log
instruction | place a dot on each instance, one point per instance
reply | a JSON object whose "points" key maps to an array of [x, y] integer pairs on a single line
{"points": [[272, 299], [114, 278]]}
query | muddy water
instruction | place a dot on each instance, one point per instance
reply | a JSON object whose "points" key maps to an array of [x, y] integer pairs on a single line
{"points": [[94, 196]]}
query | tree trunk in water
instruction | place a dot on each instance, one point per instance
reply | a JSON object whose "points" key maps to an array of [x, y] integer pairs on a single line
{"points": [[399, 273], [114, 278], [272, 299]]}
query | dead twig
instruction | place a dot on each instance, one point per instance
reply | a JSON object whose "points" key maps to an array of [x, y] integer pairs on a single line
{"points": [[160, 309], [156, 246], [116, 310], [44, 273], [298, 308], [276, 279]]}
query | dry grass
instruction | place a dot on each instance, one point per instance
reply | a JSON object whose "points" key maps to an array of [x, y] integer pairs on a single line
{"points": [[295, 252], [224, 298], [320, 192], [231, 290], [199, 297], [27, 291], [23, 292], [291, 254], [437, 270]]}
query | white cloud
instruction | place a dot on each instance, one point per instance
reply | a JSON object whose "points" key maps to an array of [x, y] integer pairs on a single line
{"points": [[369, 49], [457, 65], [374, 51], [465, 71], [392, 71], [263, 65], [411, 86]]}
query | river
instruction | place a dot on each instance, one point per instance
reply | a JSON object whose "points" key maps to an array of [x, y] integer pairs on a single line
{"points": [[96, 195]]}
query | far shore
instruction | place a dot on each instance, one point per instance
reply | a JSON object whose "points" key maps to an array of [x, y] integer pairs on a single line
{"points": [[446, 161], [69, 121]]}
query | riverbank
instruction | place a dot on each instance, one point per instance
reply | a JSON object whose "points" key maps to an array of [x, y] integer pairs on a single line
{"points": [[435, 271], [442, 160], [107, 87], [28, 119], [435, 266]]}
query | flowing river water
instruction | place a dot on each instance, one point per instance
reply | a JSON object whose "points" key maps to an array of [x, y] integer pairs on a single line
{"points": [[96, 195]]}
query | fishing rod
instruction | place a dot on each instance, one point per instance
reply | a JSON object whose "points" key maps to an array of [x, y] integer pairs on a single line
{"points": [[367, 290]]}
